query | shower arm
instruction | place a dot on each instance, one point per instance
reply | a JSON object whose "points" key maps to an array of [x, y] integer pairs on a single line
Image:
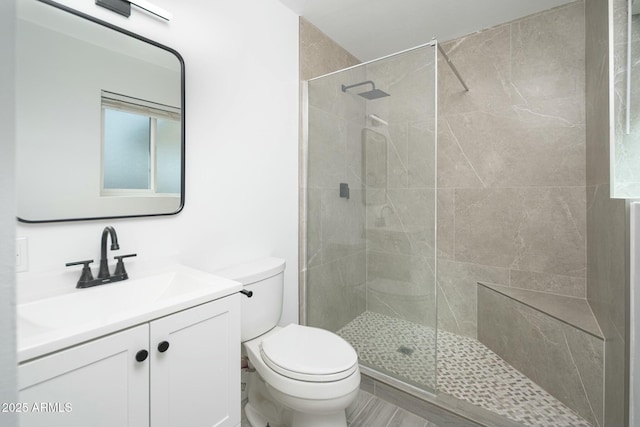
{"points": [[368, 82], [453, 67]]}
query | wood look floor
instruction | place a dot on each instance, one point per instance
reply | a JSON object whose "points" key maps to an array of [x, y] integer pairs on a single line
{"points": [[371, 411]]}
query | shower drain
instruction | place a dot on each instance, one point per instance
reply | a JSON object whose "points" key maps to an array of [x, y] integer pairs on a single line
{"points": [[405, 350]]}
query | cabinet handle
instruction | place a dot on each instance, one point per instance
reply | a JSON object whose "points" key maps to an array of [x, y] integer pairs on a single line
{"points": [[163, 346], [141, 356]]}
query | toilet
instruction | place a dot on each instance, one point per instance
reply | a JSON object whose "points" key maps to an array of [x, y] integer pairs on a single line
{"points": [[301, 376]]}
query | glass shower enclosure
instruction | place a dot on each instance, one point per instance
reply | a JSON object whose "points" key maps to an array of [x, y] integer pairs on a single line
{"points": [[369, 212]]}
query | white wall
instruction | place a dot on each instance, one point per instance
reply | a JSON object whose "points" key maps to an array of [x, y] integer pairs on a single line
{"points": [[7, 212], [241, 60]]}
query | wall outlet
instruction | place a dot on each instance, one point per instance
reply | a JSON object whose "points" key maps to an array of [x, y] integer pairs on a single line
{"points": [[22, 255]]}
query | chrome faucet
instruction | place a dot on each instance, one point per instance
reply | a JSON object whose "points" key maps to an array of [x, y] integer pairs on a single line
{"points": [[86, 278], [104, 267]]}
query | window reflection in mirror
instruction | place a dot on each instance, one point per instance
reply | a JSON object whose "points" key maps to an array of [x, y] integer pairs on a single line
{"points": [[141, 147]]}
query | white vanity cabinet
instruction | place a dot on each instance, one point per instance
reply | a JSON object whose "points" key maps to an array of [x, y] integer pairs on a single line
{"points": [[190, 377], [196, 381], [98, 383]]}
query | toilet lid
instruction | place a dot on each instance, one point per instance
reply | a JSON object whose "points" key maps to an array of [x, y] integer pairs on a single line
{"points": [[309, 354]]}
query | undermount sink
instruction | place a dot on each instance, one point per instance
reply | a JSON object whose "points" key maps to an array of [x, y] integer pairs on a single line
{"points": [[52, 323]]}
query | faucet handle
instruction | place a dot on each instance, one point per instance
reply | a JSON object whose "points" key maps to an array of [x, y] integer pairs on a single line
{"points": [[85, 263], [86, 275], [120, 265]]}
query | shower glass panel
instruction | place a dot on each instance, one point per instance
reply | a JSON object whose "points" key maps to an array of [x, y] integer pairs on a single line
{"points": [[369, 252]]}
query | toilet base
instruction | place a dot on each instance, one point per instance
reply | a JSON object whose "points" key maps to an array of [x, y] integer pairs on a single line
{"points": [[254, 417], [316, 413], [261, 409], [268, 405], [299, 419]]}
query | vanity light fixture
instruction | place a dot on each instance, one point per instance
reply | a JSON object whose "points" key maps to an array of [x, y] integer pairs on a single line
{"points": [[123, 7]]}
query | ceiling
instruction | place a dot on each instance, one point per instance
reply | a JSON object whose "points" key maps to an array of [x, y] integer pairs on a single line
{"points": [[370, 29]]}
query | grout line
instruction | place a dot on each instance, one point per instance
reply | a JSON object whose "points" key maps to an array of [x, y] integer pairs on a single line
{"points": [[454, 224], [536, 291], [356, 415], [392, 415], [513, 187]]}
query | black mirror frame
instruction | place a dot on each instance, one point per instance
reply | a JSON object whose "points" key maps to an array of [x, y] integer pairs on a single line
{"points": [[182, 113]]}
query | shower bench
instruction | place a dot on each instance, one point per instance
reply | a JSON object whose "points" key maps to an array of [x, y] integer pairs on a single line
{"points": [[554, 340]]}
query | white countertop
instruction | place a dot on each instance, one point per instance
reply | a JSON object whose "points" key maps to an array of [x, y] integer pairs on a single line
{"points": [[53, 322]]}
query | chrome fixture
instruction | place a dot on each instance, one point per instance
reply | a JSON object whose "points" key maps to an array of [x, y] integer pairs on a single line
{"points": [[371, 94], [375, 120], [453, 67], [104, 276]]}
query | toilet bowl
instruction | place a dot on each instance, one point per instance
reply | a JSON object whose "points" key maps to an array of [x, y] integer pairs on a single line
{"points": [[304, 376]]}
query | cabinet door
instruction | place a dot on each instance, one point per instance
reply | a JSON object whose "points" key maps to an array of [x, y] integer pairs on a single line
{"points": [[196, 381], [98, 384]]}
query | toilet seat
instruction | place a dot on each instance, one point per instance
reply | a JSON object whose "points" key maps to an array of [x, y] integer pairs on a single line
{"points": [[306, 390], [308, 354]]}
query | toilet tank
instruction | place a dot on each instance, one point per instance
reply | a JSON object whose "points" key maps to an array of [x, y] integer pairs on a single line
{"points": [[265, 278]]}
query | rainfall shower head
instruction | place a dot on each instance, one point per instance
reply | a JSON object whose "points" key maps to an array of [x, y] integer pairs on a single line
{"points": [[371, 94], [374, 94]]}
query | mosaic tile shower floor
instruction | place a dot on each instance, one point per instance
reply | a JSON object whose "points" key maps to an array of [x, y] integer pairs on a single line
{"points": [[467, 369]]}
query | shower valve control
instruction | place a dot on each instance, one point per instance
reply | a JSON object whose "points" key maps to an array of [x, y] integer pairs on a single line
{"points": [[344, 190]]}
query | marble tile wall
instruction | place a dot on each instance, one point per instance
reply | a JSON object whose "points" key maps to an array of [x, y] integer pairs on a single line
{"points": [[607, 292], [607, 284], [511, 158], [511, 163], [514, 204], [565, 361], [332, 228]]}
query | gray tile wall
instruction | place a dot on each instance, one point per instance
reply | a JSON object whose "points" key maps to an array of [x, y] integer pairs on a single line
{"points": [[562, 359], [319, 55], [607, 285], [515, 206], [332, 227], [511, 163], [400, 188]]}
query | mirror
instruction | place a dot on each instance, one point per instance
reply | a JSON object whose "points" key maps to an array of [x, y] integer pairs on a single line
{"points": [[100, 123]]}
